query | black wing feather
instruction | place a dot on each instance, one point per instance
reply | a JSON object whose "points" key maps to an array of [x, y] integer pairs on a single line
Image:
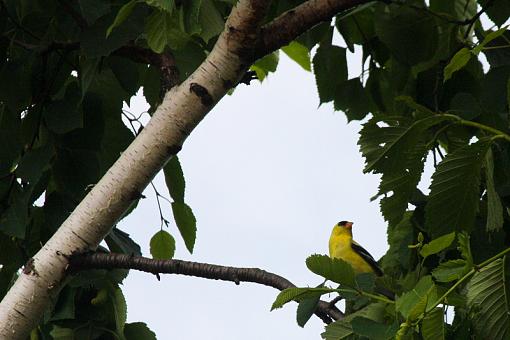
{"points": [[367, 257]]}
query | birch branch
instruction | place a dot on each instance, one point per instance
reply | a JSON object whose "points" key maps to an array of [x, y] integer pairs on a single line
{"points": [[294, 22], [325, 311], [183, 107]]}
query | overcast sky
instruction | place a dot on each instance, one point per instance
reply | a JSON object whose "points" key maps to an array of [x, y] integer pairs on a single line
{"points": [[268, 173]]}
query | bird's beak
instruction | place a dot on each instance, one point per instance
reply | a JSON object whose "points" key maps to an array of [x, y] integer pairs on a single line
{"points": [[348, 225]]}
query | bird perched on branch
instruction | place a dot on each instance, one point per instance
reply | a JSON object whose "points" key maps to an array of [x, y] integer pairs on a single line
{"points": [[342, 246]]}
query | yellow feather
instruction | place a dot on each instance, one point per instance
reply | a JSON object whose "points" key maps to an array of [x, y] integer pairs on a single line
{"points": [[340, 248]]}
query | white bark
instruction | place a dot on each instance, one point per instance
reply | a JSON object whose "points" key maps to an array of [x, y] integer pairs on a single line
{"points": [[182, 109]]}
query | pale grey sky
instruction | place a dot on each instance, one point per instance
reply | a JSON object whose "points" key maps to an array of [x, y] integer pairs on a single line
{"points": [[268, 174]]}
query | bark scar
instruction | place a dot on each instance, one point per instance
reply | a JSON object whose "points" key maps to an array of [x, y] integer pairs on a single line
{"points": [[29, 268], [202, 93]]}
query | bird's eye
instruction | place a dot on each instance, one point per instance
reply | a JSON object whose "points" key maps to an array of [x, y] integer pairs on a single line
{"points": [[342, 223]]}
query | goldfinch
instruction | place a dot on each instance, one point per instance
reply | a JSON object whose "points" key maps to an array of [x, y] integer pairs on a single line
{"points": [[342, 246]]}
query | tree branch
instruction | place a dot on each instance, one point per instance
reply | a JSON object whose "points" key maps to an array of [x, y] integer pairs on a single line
{"points": [[288, 26], [326, 311]]}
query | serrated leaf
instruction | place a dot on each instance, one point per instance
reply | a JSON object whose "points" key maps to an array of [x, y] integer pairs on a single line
{"points": [[373, 330], [450, 271], [454, 192], [351, 98], [163, 29], [174, 179], [342, 329], [305, 310], [119, 241], [164, 5], [298, 294], [432, 326], [465, 248], [437, 245], [162, 245], [34, 162], [299, 53], [488, 38], [413, 303], [487, 296], [266, 65], [137, 331], [401, 142], [330, 69], [494, 207], [459, 60], [186, 222], [211, 21], [122, 15], [336, 270], [120, 309]]}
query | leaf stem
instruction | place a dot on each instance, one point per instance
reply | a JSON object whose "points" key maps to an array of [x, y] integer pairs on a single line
{"points": [[466, 276], [368, 295], [496, 132]]}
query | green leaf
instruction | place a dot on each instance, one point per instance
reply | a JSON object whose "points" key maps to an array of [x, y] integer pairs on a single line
{"points": [[34, 163], [497, 11], [119, 241], [459, 60], [432, 327], [186, 222], [162, 246], [120, 310], [465, 248], [494, 207], [413, 303], [14, 219], [122, 15], [399, 237], [342, 329], [487, 298], [330, 69], [211, 21], [93, 9], [10, 139], [299, 53], [373, 330], [336, 270], [174, 179], [450, 271], [192, 16], [163, 5], [137, 331], [410, 36], [65, 307], [298, 294], [401, 141], [266, 65], [163, 29], [352, 99], [61, 333], [357, 26], [65, 115], [454, 192], [437, 245], [488, 38], [305, 310]]}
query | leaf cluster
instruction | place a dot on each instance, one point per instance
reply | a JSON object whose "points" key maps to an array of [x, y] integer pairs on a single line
{"points": [[425, 95]]}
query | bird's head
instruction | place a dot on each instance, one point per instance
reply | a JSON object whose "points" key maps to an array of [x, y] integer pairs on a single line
{"points": [[345, 224]]}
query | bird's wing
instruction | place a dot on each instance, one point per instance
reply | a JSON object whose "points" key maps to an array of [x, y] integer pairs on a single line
{"points": [[367, 257]]}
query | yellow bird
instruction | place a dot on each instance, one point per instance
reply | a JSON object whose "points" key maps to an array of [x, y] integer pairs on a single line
{"points": [[342, 246]]}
